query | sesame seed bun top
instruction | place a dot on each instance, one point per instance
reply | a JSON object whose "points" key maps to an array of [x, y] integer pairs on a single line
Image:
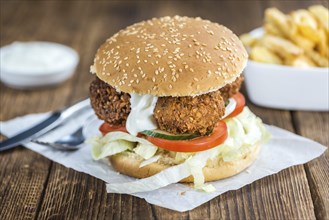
{"points": [[171, 56]]}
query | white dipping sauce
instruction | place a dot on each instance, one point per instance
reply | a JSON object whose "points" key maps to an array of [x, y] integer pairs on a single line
{"points": [[141, 117], [34, 57]]}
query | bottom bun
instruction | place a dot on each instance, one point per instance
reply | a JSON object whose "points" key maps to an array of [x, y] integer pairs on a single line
{"points": [[216, 169]]}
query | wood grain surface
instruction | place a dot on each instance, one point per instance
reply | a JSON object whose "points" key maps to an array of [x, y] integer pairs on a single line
{"points": [[33, 187]]}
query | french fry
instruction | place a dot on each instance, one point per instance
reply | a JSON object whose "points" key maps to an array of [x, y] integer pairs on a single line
{"points": [[262, 54], [302, 42], [286, 25], [299, 39], [317, 58], [271, 29], [281, 21], [248, 40], [301, 61], [306, 24], [322, 46], [281, 46], [321, 14]]}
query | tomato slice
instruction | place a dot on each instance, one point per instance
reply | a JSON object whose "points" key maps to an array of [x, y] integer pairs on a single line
{"points": [[106, 128], [217, 137], [240, 103]]}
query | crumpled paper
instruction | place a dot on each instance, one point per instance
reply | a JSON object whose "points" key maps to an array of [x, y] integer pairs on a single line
{"points": [[284, 150]]}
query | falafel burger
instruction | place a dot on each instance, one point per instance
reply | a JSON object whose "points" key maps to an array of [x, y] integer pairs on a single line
{"points": [[167, 90]]}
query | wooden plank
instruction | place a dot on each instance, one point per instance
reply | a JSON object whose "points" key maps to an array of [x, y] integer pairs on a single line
{"points": [[315, 126], [24, 173]]}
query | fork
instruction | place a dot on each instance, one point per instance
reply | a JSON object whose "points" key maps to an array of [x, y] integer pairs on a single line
{"points": [[69, 142]]}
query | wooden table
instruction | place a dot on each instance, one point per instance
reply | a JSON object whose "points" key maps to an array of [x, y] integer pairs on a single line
{"points": [[34, 187]]}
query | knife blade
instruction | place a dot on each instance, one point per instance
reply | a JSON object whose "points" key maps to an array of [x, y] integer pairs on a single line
{"points": [[55, 119]]}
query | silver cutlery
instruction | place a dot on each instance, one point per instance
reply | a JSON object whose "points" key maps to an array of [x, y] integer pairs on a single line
{"points": [[55, 119], [69, 142]]}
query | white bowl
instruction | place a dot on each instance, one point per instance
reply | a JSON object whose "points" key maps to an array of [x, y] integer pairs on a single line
{"points": [[285, 87], [29, 78]]}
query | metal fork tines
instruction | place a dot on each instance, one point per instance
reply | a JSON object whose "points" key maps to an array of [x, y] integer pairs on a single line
{"points": [[69, 142]]}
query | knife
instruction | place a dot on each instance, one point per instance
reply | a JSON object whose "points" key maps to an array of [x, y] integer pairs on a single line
{"points": [[55, 119]]}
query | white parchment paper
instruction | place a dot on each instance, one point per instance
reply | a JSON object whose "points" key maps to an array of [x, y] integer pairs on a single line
{"points": [[284, 150]]}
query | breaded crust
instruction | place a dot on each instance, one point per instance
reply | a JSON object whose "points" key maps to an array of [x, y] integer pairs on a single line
{"points": [[108, 104], [230, 89], [179, 115]]}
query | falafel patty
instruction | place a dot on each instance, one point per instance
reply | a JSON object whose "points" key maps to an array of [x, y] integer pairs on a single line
{"points": [[176, 115], [230, 89], [109, 105], [199, 114]]}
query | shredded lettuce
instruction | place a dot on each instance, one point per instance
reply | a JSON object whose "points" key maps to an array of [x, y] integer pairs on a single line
{"points": [[102, 149], [181, 157], [197, 163], [149, 161], [245, 131], [145, 150], [117, 142]]}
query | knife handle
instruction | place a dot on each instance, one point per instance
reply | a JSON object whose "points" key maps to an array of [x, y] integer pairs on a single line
{"points": [[55, 119], [29, 134]]}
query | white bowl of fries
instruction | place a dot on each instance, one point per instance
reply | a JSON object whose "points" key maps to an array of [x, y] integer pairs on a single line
{"points": [[289, 60]]}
